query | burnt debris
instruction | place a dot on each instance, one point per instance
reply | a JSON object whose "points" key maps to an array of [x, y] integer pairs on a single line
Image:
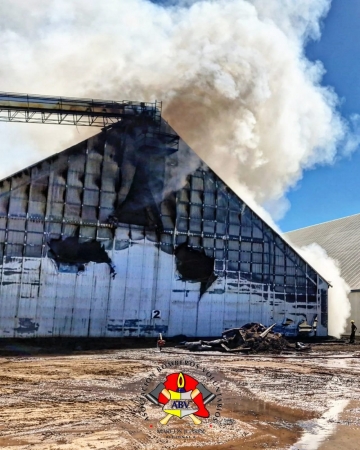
{"points": [[250, 338], [195, 266], [72, 252]]}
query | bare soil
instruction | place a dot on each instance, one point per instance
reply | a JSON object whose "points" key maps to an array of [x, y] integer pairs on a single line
{"points": [[92, 399]]}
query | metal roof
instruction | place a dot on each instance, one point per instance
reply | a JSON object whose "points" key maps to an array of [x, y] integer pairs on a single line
{"points": [[341, 240]]}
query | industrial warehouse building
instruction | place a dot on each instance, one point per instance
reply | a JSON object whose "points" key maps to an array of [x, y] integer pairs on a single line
{"points": [[130, 234], [340, 239]]}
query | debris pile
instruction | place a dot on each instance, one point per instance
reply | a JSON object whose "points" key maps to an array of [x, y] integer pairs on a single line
{"points": [[251, 337]]}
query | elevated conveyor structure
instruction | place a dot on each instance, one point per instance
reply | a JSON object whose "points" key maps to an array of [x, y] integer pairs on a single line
{"points": [[30, 108]]}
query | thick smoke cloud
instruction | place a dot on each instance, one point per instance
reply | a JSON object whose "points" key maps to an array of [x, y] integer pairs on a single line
{"points": [[339, 305], [232, 75]]}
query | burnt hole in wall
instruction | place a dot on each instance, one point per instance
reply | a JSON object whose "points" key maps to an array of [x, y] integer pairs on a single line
{"points": [[74, 253], [141, 206], [117, 140], [44, 190], [99, 146], [97, 181], [140, 182], [194, 265], [63, 173], [117, 185], [168, 207], [26, 325], [206, 285]]}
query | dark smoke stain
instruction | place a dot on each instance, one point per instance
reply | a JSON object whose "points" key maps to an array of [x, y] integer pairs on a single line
{"points": [[141, 174], [131, 331], [194, 265], [114, 328], [26, 325], [148, 329], [131, 322], [161, 328], [9, 272], [168, 211], [218, 291], [142, 204], [142, 329], [71, 251], [121, 245]]}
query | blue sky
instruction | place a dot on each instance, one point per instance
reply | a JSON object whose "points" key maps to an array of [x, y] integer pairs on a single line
{"points": [[330, 192]]}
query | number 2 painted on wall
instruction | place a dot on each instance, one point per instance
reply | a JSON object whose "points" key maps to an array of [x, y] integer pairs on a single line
{"points": [[156, 314]]}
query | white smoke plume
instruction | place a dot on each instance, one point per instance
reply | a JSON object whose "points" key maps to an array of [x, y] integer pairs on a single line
{"points": [[232, 74], [338, 304]]}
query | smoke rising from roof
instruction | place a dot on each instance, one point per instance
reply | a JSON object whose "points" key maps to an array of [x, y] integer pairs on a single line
{"points": [[232, 74]]}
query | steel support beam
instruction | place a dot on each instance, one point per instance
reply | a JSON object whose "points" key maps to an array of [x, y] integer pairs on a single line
{"points": [[73, 111]]}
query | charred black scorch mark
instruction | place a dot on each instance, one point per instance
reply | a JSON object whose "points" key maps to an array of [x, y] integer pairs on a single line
{"points": [[140, 184], [195, 266], [71, 251], [141, 206], [26, 325]]}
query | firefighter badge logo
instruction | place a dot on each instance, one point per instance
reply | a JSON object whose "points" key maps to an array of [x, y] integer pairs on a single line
{"points": [[181, 396]]}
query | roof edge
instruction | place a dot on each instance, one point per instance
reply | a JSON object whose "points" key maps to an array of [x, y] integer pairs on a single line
{"points": [[322, 223]]}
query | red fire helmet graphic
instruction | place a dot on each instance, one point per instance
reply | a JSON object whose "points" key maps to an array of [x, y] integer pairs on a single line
{"points": [[178, 392]]}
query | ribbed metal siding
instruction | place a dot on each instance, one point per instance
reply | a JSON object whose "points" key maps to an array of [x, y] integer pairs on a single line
{"points": [[258, 277]]}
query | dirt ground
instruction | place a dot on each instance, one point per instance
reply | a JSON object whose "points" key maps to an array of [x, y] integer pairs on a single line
{"points": [[92, 399]]}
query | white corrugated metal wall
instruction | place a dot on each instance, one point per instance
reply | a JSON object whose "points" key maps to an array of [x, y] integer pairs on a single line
{"points": [[255, 275], [93, 304]]}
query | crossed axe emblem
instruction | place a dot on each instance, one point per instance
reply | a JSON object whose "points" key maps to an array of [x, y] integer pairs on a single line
{"points": [[181, 400]]}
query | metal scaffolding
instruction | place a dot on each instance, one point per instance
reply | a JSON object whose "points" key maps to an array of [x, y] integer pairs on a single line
{"points": [[27, 108]]}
